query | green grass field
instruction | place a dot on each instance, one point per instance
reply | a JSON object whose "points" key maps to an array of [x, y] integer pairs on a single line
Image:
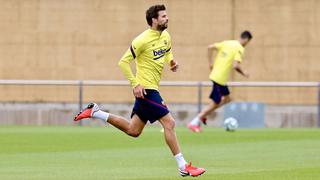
{"points": [[106, 153]]}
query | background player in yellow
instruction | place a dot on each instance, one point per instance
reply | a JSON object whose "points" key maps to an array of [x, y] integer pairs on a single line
{"points": [[151, 49], [229, 55]]}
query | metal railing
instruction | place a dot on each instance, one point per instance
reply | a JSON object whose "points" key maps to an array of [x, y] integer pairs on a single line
{"points": [[198, 84]]}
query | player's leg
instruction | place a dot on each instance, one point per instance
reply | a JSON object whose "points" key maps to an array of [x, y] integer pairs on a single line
{"points": [[208, 109], [225, 100], [213, 106], [153, 108], [132, 128], [219, 96], [215, 95], [195, 124], [185, 169], [168, 125]]}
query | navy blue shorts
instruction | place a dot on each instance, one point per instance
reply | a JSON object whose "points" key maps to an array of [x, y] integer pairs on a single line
{"points": [[218, 91], [151, 108]]}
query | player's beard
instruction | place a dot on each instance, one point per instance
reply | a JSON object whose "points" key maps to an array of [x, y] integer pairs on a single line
{"points": [[162, 27]]}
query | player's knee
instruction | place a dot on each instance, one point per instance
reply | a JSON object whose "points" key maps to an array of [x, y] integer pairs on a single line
{"points": [[214, 105], [133, 133], [227, 99], [170, 125]]}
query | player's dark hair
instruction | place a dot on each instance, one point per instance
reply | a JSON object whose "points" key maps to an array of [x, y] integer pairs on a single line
{"points": [[246, 35], [152, 12]]}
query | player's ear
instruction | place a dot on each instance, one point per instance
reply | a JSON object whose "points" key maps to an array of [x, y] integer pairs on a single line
{"points": [[154, 20]]}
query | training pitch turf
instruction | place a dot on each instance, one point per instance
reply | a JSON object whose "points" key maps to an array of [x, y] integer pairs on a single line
{"points": [[106, 153]]}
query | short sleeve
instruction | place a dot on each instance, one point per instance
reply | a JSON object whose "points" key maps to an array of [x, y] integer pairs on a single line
{"points": [[238, 55], [218, 45]]}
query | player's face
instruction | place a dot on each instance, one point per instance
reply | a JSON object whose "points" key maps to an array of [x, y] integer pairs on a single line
{"points": [[162, 21], [244, 42]]}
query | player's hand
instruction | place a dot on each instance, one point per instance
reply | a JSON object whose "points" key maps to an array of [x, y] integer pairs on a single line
{"points": [[246, 75], [139, 91], [174, 65]]}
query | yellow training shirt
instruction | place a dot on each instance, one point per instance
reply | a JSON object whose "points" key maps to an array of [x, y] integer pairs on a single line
{"points": [[152, 50], [228, 51]]}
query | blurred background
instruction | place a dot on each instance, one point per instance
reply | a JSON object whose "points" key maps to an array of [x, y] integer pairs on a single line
{"points": [[83, 40]]}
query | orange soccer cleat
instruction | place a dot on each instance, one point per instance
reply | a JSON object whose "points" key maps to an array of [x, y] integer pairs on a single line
{"points": [[194, 128], [191, 171], [87, 112]]}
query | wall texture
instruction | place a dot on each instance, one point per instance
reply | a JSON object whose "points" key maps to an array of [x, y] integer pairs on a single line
{"points": [[84, 39]]}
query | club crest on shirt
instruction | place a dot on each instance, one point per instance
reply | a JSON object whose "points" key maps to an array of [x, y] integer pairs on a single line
{"points": [[165, 42]]}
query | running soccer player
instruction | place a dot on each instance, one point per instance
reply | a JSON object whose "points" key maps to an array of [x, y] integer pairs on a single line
{"points": [[151, 49], [229, 54]]}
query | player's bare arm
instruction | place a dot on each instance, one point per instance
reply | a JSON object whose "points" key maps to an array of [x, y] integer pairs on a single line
{"points": [[237, 66], [211, 50]]}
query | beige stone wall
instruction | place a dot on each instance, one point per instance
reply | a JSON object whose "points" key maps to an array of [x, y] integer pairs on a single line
{"points": [[84, 39]]}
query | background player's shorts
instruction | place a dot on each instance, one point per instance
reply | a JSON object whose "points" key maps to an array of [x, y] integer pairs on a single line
{"points": [[151, 108], [218, 91]]}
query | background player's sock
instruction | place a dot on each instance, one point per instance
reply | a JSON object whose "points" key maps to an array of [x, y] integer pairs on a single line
{"points": [[101, 115], [195, 121], [180, 160]]}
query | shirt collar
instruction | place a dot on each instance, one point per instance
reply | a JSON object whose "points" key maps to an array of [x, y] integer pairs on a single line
{"points": [[155, 32]]}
